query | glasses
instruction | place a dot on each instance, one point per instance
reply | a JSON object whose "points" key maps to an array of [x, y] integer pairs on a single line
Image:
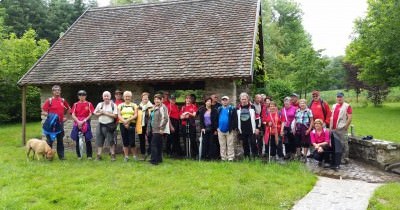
{"points": [[81, 94]]}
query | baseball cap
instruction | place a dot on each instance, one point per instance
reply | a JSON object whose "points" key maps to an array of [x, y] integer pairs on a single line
{"points": [[225, 97], [339, 94], [118, 91], [172, 96], [295, 94], [81, 93]]}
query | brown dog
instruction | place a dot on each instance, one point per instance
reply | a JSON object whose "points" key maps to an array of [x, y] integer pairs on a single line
{"points": [[39, 147]]}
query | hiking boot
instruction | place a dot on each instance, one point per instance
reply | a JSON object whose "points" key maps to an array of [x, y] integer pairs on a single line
{"points": [[126, 159], [98, 157], [336, 168], [89, 158], [113, 157]]}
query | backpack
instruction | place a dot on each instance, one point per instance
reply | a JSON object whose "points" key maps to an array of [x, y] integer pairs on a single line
{"points": [[52, 126], [322, 105], [51, 100]]}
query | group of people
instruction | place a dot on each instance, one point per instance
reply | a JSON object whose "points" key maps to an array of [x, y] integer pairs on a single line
{"points": [[258, 125]]}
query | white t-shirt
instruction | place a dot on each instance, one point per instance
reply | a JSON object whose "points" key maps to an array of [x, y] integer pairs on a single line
{"points": [[105, 119]]}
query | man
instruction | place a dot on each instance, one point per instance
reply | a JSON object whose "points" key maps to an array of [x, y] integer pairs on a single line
{"points": [[214, 101], [247, 126], [165, 99], [173, 137], [295, 100], [58, 106], [118, 101], [339, 123], [258, 108], [320, 108], [227, 124]]}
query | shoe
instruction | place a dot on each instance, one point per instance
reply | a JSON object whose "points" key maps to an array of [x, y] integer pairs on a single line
{"points": [[135, 158], [327, 165], [320, 164], [62, 158], [126, 159], [98, 157], [79, 158], [89, 158], [335, 168], [112, 157]]}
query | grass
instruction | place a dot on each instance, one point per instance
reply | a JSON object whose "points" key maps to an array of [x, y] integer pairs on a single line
{"points": [[381, 122], [386, 197], [175, 184]]}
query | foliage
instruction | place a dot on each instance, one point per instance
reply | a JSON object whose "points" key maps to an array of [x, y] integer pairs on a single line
{"points": [[278, 90], [333, 75], [352, 80], [377, 94], [386, 197], [288, 50], [49, 18], [18, 55], [175, 184], [374, 48]]}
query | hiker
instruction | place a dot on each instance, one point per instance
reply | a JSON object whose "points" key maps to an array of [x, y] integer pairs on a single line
{"points": [[214, 103], [56, 105], [81, 113], [303, 124], [118, 100], [187, 115], [165, 99], [258, 109], [340, 120], [264, 113], [107, 113], [247, 126], [158, 126], [288, 112], [273, 122], [320, 140], [127, 114], [320, 108], [143, 115], [208, 124], [173, 142], [227, 125], [295, 100]]}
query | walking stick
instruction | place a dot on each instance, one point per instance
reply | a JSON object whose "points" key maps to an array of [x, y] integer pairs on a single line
{"points": [[269, 145], [188, 155], [201, 145]]}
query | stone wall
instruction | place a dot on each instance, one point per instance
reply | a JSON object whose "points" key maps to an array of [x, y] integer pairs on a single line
{"points": [[376, 152]]}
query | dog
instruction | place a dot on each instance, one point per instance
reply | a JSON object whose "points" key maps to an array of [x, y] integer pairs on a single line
{"points": [[39, 147]]}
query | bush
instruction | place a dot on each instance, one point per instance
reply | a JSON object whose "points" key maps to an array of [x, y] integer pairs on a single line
{"points": [[278, 90]]}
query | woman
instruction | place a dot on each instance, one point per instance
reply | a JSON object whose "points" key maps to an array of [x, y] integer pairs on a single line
{"points": [[159, 125], [188, 115], [320, 139], [273, 123], [127, 114], [144, 110], [288, 112], [107, 113], [81, 113], [209, 124], [302, 126]]}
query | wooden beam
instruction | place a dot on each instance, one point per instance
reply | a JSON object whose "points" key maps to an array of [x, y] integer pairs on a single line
{"points": [[23, 104]]}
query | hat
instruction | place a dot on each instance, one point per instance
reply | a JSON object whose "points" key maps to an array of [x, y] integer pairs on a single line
{"points": [[339, 94], [287, 99], [172, 96], [118, 91], [225, 97], [81, 93], [294, 94], [315, 92]]}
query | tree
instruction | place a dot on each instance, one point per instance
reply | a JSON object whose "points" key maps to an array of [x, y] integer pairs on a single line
{"points": [[18, 55], [374, 49], [352, 80], [126, 2]]}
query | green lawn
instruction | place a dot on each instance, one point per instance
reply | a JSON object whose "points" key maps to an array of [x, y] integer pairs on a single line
{"points": [[386, 197], [381, 122], [174, 184]]}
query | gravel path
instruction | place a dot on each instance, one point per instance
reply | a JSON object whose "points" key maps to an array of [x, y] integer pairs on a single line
{"points": [[336, 194]]}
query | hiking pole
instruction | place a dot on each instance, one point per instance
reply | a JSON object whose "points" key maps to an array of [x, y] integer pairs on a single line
{"points": [[187, 139], [269, 146], [201, 144]]}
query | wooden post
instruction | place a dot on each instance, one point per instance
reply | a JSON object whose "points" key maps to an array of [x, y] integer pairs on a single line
{"points": [[23, 104]]}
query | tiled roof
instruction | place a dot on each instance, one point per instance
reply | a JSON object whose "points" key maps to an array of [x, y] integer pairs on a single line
{"points": [[169, 41]]}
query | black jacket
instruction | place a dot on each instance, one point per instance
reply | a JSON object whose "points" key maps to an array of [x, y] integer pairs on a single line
{"points": [[214, 118]]}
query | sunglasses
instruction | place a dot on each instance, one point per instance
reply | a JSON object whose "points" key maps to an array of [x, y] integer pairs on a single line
{"points": [[81, 94]]}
